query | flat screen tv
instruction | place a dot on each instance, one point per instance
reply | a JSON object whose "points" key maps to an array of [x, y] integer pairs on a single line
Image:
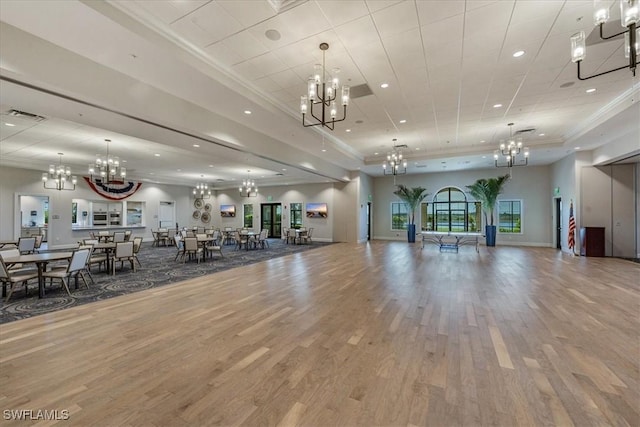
{"points": [[316, 210], [227, 210]]}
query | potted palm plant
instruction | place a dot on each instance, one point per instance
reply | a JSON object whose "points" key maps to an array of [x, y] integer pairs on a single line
{"points": [[412, 198], [486, 191]]}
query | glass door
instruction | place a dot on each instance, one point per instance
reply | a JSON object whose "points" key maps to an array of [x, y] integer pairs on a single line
{"points": [[271, 218]]}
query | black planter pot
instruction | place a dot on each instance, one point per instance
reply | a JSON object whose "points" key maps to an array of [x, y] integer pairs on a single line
{"points": [[411, 233], [490, 232]]}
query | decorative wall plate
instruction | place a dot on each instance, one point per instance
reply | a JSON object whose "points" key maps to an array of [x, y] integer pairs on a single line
{"points": [[207, 207], [198, 203], [205, 217], [196, 214]]}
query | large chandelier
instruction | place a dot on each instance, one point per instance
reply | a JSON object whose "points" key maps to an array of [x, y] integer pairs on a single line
{"points": [[508, 155], [249, 187], [201, 191], [322, 91], [629, 16], [395, 164], [60, 176], [107, 168]]}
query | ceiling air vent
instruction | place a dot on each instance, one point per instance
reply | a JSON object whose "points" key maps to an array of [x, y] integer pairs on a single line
{"points": [[219, 180], [279, 174], [360, 91], [280, 6], [401, 146], [25, 115]]}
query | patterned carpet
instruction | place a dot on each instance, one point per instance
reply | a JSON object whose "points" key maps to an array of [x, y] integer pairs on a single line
{"points": [[158, 269]]}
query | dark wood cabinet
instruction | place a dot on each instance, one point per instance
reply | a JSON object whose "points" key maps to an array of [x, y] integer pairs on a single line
{"points": [[592, 241]]}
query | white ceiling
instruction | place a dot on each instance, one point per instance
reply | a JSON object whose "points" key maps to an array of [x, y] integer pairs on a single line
{"points": [[161, 76]]}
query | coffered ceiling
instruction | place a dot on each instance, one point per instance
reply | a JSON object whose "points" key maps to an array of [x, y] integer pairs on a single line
{"points": [[159, 77]]}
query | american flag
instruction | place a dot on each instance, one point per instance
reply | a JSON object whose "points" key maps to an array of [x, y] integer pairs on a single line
{"points": [[572, 227]]}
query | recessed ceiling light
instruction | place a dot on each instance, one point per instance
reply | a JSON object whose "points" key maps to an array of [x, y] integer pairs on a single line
{"points": [[272, 35], [518, 54], [417, 148], [324, 150], [9, 124], [283, 169], [384, 85], [348, 130], [577, 148], [542, 134], [196, 145], [403, 121], [375, 154], [591, 90], [157, 155], [497, 105], [247, 112], [482, 141]]}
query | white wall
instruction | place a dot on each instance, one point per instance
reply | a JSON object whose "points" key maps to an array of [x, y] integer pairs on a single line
{"points": [[529, 184]]}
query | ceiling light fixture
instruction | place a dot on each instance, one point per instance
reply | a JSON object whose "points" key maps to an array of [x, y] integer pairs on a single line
{"points": [[60, 175], [106, 168], [590, 90], [510, 152], [249, 187], [395, 164], [629, 16], [497, 105], [384, 85], [518, 53], [201, 191], [323, 94]]}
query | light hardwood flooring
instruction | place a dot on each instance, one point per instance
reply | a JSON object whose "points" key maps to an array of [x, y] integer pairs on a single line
{"points": [[371, 334]]}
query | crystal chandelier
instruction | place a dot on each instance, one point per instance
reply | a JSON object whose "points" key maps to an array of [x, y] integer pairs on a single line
{"points": [[322, 91], [629, 16], [60, 176], [107, 168], [201, 191], [249, 187], [510, 152], [395, 164]]}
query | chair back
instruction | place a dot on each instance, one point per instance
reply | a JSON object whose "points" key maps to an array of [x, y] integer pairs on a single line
{"points": [[90, 241], [216, 234], [177, 239], [119, 236], [127, 235], [171, 233], [4, 272], [103, 233], [124, 249], [190, 244], [9, 253], [199, 230], [78, 260], [137, 242], [310, 232], [201, 236], [38, 243], [26, 244]]}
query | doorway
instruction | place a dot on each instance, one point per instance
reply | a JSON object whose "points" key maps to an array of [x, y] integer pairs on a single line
{"points": [[368, 221], [167, 215], [558, 224], [271, 218], [34, 215]]}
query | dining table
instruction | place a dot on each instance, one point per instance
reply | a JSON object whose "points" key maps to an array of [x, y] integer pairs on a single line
{"points": [[108, 247], [40, 260]]}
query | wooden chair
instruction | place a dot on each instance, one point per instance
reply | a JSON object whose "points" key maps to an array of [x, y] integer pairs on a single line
{"points": [[137, 243], [262, 238], [9, 277], [191, 247], [213, 246], [26, 245], [124, 252], [241, 239], [179, 242], [306, 237], [38, 243], [75, 267], [127, 235]]}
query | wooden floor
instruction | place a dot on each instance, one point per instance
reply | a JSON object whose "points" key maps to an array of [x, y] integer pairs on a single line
{"points": [[372, 334]]}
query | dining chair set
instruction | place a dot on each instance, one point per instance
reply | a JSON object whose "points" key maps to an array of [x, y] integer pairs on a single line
{"points": [[297, 236], [196, 247]]}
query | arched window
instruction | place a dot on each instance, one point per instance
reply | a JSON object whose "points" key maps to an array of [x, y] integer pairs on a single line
{"points": [[450, 211]]}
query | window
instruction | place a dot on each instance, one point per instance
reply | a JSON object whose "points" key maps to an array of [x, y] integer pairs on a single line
{"points": [[134, 213], [296, 215], [248, 216], [450, 211], [399, 216], [510, 216]]}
